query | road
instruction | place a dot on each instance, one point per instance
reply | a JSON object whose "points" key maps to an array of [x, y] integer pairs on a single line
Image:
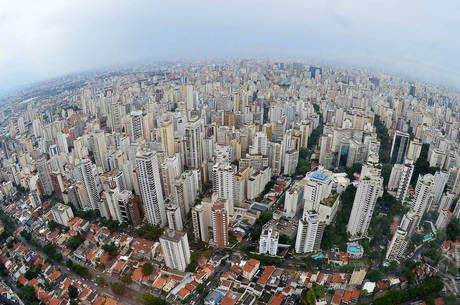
{"points": [[124, 299]]}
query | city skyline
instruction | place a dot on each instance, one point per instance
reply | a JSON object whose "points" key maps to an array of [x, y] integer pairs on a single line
{"points": [[411, 39]]}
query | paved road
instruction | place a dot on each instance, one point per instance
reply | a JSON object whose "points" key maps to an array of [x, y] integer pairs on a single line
{"points": [[125, 300]]}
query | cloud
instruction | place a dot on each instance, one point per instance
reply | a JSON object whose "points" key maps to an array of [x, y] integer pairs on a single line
{"points": [[43, 39]]}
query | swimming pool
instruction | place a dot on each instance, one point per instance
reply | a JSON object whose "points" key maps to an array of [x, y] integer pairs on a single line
{"points": [[427, 237], [317, 256], [354, 249]]}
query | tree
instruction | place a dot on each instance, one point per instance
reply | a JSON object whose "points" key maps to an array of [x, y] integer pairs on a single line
{"points": [[150, 299], [111, 249], [374, 275], [117, 288], [73, 292], [149, 232], [27, 294], [264, 217], [126, 279], [147, 269], [100, 280], [52, 225]]}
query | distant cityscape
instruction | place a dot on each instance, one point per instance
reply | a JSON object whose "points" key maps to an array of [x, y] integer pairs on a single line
{"points": [[239, 182]]}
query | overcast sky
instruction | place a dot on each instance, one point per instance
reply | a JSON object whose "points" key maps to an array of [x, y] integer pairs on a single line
{"points": [[40, 39]]}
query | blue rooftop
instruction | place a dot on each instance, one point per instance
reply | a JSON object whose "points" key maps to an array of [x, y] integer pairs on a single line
{"points": [[319, 176]]}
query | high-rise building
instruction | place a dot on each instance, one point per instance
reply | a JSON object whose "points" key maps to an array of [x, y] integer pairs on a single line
{"points": [[189, 97], [423, 196], [259, 144], [167, 137], [415, 148], [175, 249], [44, 175], [62, 214], [150, 187], [309, 232], [268, 242], [136, 128], [116, 111], [200, 218], [440, 180], [370, 187], [222, 183], [174, 217], [291, 159], [397, 245], [219, 216], [99, 148], [193, 147], [406, 170], [87, 174], [317, 187], [399, 147]]}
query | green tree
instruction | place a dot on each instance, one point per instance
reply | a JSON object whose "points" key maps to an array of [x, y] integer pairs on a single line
{"points": [[264, 217], [149, 232], [126, 279], [100, 280], [73, 292], [374, 275], [117, 288], [147, 269], [27, 294], [111, 249], [150, 299]]}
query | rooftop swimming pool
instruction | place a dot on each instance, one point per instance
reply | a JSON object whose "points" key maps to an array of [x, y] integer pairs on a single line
{"points": [[354, 249]]}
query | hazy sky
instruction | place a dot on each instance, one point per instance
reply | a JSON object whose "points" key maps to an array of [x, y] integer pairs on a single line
{"points": [[40, 39]]}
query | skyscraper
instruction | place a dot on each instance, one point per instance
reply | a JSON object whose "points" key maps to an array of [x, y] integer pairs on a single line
{"points": [[193, 147], [44, 175], [309, 232], [404, 181], [399, 147], [136, 128], [223, 183], [174, 217], [150, 187], [423, 196], [268, 242], [189, 97], [397, 245], [317, 187], [175, 249], [200, 223], [370, 187], [219, 216], [167, 137], [86, 173]]}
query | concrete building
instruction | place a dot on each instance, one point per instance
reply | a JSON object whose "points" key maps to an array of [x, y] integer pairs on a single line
{"points": [[309, 232], [370, 187], [62, 214], [193, 145], [219, 224], [175, 249], [150, 187], [268, 242], [399, 147]]}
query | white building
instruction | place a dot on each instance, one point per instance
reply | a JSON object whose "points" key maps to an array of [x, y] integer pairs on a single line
{"points": [[44, 175], [136, 128], [423, 196], [62, 214], [259, 144], [293, 200], [370, 187], [309, 233], [174, 217], [291, 158], [86, 173], [268, 242], [440, 181], [193, 145], [318, 187], [222, 183], [397, 245], [257, 181], [443, 219], [175, 249], [201, 221], [150, 187]]}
